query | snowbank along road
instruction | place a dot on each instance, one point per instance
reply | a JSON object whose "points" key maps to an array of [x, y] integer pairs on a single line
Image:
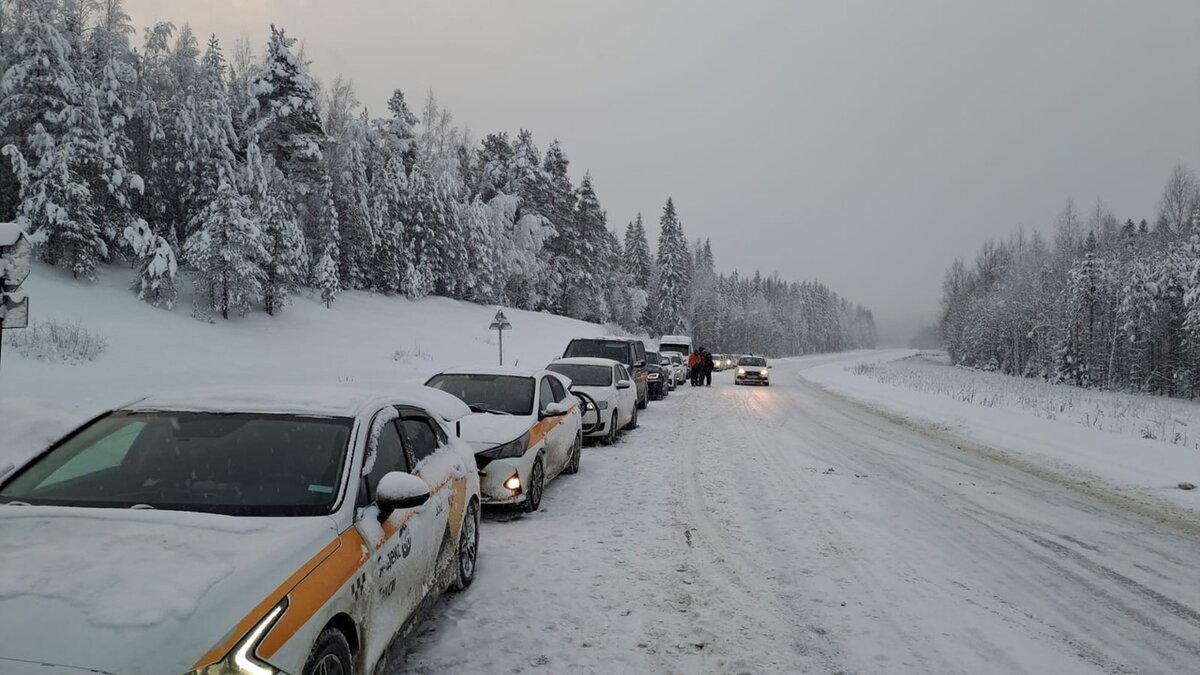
{"points": [[786, 530]]}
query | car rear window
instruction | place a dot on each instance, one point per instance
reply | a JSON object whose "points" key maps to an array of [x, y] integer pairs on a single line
{"points": [[616, 350], [583, 375]]}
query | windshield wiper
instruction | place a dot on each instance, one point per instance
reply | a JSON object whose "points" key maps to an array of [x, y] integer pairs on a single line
{"points": [[142, 507], [481, 409]]}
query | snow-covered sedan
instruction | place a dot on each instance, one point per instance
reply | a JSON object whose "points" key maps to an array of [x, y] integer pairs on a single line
{"points": [[264, 531], [613, 404], [525, 428]]}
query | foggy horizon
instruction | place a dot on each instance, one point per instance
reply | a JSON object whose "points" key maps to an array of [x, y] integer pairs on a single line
{"points": [[866, 147]]}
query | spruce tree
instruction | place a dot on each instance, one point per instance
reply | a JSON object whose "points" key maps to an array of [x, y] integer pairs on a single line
{"points": [[673, 293], [325, 274], [227, 254]]}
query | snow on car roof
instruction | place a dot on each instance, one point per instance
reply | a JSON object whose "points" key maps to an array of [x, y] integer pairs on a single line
{"points": [[586, 361], [496, 370], [327, 400]]}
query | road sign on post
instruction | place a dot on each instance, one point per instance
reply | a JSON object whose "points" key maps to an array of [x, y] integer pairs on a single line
{"points": [[501, 324], [16, 260]]}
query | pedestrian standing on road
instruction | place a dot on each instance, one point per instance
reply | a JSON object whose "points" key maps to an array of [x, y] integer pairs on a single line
{"points": [[707, 366], [694, 363]]}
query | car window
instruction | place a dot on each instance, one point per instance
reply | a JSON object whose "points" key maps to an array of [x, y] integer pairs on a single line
{"points": [[560, 392], [106, 454], [617, 350], [545, 395], [236, 463], [389, 456], [488, 393], [583, 375], [420, 436], [622, 373]]}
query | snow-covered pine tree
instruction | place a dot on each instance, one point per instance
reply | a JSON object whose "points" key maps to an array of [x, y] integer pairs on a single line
{"points": [[42, 108], [285, 263], [586, 278], [227, 254], [325, 274], [284, 113], [673, 295], [157, 267], [353, 201]]}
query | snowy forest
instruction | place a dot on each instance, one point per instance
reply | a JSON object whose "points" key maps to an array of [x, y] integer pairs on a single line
{"points": [[1104, 303], [238, 172]]}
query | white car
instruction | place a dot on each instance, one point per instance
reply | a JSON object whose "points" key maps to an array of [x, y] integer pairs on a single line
{"points": [[525, 429], [609, 385], [680, 366], [266, 531]]}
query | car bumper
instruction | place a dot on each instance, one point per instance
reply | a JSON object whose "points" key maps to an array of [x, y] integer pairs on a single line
{"points": [[492, 477], [751, 379]]}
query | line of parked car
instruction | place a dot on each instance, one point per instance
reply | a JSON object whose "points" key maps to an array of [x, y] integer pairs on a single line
{"points": [[259, 531]]}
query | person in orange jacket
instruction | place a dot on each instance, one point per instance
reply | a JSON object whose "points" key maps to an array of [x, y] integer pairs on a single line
{"points": [[694, 367]]}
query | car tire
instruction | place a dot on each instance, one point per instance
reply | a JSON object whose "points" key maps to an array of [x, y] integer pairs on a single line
{"points": [[576, 454], [330, 654], [537, 486], [468, 547], [611, 437], [633, 421]]}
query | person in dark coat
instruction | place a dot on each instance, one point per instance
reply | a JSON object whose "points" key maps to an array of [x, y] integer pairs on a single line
{"points": [[707, 366]]}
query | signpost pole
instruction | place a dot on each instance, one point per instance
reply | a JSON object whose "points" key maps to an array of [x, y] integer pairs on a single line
{"points": [[501, 324]]}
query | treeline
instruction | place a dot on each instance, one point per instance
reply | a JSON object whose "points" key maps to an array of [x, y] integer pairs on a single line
{"points": [[247, 173], [1104, 303]]}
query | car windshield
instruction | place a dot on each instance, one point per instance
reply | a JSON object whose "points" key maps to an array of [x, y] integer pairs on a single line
{"points": [[584, 376], [503, 394], [239, 464], [652, 359], [599, 349], [752, 361]]}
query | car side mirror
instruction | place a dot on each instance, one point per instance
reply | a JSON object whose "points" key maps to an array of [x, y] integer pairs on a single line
{"points": [[624, 384], [640, 364], [399, 490], [555, 410]]}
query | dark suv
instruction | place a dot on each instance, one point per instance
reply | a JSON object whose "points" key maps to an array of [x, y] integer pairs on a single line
{"points": [[626, 350]]}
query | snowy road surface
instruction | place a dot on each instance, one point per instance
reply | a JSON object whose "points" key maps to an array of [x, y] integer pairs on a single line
{"points": [[783, 529]]}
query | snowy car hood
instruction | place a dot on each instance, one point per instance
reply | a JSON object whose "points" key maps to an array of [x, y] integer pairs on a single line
{"points": [[484, 430], [138, 591]]}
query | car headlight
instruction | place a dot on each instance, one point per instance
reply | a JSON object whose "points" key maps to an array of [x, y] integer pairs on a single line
{"points": [[241, 660], [508, 450], [603, 405], [654, 376], [741, 371], [763, 372]]}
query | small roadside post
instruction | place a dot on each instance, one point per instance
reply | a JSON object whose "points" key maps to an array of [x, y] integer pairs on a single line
{"points": [[16, 257], [501, 324]]}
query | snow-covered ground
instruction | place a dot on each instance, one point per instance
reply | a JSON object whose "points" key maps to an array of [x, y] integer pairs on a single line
{"points": [[784, 530], [363, 337], [1116, 445], [760, 530]]}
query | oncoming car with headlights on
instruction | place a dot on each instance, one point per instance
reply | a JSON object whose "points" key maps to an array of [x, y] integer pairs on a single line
{"points": [[525, 428], [613, 404], [752, 369], [236, 532]]}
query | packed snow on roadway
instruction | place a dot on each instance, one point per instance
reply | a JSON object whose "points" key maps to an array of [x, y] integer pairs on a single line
{"points": [[837, 521]]}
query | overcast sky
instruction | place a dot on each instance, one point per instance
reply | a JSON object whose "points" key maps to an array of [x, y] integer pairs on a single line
{"points": [[865, 144]]}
